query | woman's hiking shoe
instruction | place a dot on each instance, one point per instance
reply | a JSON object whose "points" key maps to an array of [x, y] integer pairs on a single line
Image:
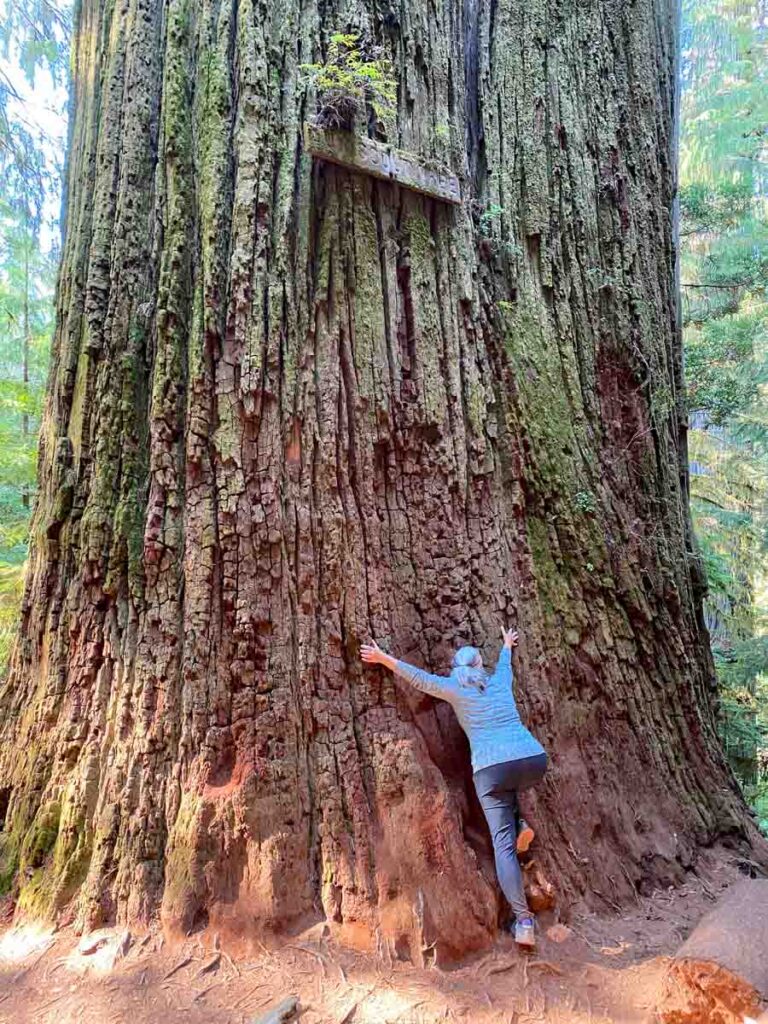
{"points": [[524, 932], [525, 837]]}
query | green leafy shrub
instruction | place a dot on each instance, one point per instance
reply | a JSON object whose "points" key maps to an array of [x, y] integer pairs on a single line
{"points": [[491, 213], [490, 231], [356, 82], [585, 503]]}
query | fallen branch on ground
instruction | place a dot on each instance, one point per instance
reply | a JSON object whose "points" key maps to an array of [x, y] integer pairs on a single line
{"points": [[179, 966]]}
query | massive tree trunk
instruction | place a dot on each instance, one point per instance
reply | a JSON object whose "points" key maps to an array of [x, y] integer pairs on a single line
{"points": [[293, 407]]}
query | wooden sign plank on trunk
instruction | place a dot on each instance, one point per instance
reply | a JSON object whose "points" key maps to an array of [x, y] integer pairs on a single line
{"points": [[381, 161]]}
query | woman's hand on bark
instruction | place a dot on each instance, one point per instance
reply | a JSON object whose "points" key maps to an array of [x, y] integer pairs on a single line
{"points": [[510, 637], [372, 653]]}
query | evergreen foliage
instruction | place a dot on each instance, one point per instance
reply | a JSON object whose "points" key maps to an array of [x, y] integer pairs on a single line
{"points": [[34, 44], [355, 82], [724, 264]]}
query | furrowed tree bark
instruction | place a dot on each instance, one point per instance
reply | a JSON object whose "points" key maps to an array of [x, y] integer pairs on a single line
{"points": [[292, 408]]}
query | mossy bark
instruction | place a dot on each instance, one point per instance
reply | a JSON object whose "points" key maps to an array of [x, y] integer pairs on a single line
{"points": [[292, 408]]}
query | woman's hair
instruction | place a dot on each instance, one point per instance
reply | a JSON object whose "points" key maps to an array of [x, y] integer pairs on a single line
{"points": [[468, 668]]}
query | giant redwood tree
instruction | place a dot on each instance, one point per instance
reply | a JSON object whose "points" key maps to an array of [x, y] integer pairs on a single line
{"points": [[294, 407]]}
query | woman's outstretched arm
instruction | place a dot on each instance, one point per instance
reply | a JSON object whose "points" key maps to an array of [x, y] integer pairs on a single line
{"points": [[436, 686], [504, 664]]}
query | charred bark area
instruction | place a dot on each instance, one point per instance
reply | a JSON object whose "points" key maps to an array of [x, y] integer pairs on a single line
{"points": [[293, 408]]}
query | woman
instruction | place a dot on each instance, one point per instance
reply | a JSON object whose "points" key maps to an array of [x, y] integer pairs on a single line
{"points": [[506, 758]]}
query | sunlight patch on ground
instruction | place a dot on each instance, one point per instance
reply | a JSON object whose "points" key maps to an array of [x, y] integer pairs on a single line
{"points": [[99, 951], [370, 1005], [19, 943]]}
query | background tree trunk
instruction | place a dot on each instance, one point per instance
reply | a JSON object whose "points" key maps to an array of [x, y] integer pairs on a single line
{"points": [[293, 408]]}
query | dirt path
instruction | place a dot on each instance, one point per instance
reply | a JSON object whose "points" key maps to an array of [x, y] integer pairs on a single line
{"points": [[602, 971]]}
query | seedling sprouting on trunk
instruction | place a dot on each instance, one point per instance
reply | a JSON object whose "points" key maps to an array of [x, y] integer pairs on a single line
{"points": [[356, 87]]}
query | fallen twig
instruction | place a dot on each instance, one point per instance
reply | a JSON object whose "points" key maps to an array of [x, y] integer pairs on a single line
{"points": [[581, 935], [351, 1011], [481, 963], [499, 968], [349, 1014], [623, 867], [248, 994], [181, 964], [205, 991], [231, 963], [311, 952], [211, 965], [54, 966], [52, 1002], [547, 965]]}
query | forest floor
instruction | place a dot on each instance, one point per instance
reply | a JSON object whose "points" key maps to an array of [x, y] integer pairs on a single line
{"points": [[601, 970]]}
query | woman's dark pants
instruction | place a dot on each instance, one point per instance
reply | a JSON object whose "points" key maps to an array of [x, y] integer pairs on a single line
{"points": [[497, 787]]}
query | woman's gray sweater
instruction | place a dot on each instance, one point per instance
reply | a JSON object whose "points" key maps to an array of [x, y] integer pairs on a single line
{"points": [[489, 717]]}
